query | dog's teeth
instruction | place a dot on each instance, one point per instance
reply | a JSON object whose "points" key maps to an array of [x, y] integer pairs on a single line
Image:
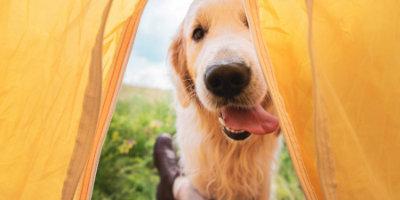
{"points": [[221, 121], [234, 131]]}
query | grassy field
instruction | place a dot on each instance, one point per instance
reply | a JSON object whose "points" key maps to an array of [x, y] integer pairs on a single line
{"points": [[126, 168]]}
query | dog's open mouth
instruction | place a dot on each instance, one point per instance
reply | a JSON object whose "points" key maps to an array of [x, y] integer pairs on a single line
{"points": [[240, 123]]}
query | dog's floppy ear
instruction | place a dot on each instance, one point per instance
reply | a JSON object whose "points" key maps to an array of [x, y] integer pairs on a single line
{"points": [[183, 81]]}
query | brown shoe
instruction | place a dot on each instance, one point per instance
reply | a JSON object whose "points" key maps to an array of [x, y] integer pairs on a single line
{"points": [[166, 162]]}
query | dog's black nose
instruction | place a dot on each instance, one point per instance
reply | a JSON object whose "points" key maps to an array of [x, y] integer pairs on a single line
{"points": [[227, 80]]}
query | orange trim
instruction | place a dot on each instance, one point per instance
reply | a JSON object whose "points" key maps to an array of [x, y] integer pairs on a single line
{"points": [[108, 106], [252, 12]]}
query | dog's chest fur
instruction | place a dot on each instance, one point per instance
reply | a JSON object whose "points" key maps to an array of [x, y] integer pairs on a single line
{"points": [[219, 168]]}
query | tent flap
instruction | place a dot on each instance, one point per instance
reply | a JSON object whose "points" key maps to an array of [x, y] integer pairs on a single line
{"points": [[334, 75], [60, 67]]}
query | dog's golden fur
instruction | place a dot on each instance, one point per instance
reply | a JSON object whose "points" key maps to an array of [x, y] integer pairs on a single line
{"points": [[216, 166]]}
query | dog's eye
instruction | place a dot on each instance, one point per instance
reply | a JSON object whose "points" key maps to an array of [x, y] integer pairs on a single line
{"points": [[198, 34]]}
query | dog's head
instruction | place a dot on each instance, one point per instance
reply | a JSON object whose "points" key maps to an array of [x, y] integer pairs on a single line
{"points": [[216, 65]]}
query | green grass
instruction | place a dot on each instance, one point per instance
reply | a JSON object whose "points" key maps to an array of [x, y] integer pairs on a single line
{"points": [[126, 168]]}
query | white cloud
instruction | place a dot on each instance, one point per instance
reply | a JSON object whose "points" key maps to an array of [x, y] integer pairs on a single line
{"points": [[162, 17], [149, 74], [147, 64]]}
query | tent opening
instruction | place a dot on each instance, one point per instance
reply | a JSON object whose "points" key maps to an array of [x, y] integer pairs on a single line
{"points": [[145, 109]]}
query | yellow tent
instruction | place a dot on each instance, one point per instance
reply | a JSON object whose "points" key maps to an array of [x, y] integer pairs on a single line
{"points": [[332, 66]]}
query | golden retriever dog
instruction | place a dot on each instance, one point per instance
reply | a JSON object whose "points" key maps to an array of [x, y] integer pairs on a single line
{"points": [[226, 133]]}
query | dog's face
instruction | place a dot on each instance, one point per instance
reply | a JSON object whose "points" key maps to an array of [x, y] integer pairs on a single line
{"points": [[216, 62]]}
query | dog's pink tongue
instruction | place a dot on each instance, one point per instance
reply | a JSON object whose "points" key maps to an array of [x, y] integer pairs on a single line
{"points": [[255, 120]]}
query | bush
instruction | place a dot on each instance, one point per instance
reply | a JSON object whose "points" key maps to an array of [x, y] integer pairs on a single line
{"points": [[126, 168]]}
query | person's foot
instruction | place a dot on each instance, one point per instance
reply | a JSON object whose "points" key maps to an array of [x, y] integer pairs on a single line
{"points": [[166, 162]]}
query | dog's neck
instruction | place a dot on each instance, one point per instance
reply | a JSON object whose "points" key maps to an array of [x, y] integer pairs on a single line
{"points": [[219, 167]]}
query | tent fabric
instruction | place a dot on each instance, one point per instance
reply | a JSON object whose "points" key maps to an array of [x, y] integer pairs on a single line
{"points": [[61, 64], [334, 75], [331, 66], [282, 43]]}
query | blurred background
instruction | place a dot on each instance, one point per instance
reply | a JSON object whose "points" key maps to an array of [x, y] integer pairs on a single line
{"points": [[145, 109]]}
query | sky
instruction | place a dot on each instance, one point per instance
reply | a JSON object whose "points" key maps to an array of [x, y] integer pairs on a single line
{"points": [[147, 65]]}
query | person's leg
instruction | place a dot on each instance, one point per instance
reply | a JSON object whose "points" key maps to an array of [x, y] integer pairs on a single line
{"points": [[166, 162], [172, 185]]}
